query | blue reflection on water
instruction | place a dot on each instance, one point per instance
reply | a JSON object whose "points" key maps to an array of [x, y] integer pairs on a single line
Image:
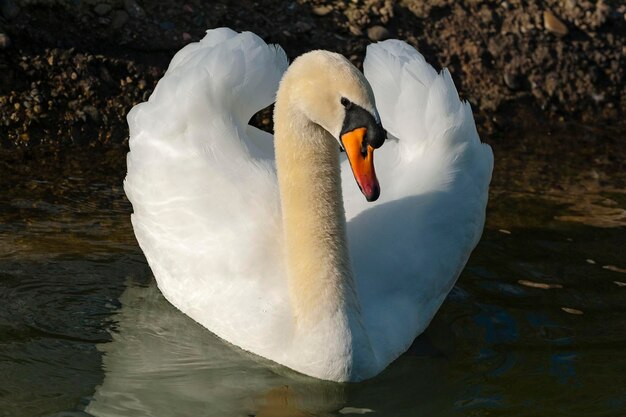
{"points": [[562, 366], [499, 325]]}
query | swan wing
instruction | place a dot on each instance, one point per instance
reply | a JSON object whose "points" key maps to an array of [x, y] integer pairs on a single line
{"points": [[202, 181], [409, 247]]}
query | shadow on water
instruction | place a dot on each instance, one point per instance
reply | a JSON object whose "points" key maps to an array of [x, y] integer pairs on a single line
{"points": [[536, 324]]}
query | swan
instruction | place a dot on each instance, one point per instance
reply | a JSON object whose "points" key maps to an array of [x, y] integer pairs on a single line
{"points": [[267, 241]]}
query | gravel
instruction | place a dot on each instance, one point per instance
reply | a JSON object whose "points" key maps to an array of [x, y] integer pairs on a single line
{"points": [[89, 62]]}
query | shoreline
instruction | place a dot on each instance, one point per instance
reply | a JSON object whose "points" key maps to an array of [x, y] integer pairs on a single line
{"points": [[70, 72]]}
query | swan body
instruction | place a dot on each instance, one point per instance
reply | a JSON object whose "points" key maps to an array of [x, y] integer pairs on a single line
{"points": [[268, 242]]}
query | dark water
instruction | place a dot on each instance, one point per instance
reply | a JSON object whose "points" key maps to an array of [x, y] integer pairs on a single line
{"points": [[536, 325]]}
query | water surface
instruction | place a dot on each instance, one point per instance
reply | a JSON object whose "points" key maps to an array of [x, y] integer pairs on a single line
{"points": [[536, 324]]}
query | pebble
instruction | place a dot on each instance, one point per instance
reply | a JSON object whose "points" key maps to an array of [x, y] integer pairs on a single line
{"points": [[102, 9], [378, 33], [92, 112], [322, 10], [134, 9], [355, 30], [303, 26], [554, 24], [603, 11], [512, 80], [5, 41], [105, 75], [9, 9], [120, 17]]}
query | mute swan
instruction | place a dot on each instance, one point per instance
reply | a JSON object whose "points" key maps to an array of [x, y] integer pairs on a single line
{"points": [[263, 249]]}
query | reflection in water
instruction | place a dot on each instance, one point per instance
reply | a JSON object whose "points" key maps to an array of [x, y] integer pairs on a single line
{"points": [[160, 362], [535, 326]]}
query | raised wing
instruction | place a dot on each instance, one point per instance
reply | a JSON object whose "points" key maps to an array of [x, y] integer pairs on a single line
{"points": [[409, 247], [202, 182]]}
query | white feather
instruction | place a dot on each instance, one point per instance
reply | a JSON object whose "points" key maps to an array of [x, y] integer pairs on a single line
{"points": [[409, 248]]}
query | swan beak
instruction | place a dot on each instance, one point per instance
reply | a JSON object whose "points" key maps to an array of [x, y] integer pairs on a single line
{"points": [[361, 157]]}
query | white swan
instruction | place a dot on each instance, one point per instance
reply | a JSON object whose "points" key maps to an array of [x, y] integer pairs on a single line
{"points": [[257, 249]]}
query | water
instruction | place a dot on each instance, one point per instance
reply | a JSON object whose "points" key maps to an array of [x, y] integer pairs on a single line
{"points": [[536, 325]]}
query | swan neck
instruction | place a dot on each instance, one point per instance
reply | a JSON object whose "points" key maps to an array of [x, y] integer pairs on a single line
{"points": [[321, 283]]}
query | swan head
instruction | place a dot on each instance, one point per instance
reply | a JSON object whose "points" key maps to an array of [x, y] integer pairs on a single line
{"points": [[327, 90]]}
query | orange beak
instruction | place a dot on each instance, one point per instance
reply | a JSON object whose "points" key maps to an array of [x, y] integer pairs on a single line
{"points": [[361, 157]]}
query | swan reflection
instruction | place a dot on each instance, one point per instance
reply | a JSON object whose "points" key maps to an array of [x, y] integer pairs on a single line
{"points": [[162, 363]]}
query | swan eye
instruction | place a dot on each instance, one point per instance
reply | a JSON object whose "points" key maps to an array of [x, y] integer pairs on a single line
{"points": [[345, 102]]}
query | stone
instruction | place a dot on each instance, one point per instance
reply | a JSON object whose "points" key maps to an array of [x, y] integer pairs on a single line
{"points": [[134, 9], [554, 24], [9, 9], [92, 112], [303, 27], [378, 33], [603, 11], [120, 17], [355, 30], [512, 80], [5, 41], [102, 9], [322, 10]]}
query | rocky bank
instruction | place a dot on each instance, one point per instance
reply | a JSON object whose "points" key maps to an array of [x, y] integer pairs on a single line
{"points": [[70, 70]]}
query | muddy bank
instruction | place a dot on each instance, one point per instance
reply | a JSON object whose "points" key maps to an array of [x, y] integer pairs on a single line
{"points": [[70, 71]]}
